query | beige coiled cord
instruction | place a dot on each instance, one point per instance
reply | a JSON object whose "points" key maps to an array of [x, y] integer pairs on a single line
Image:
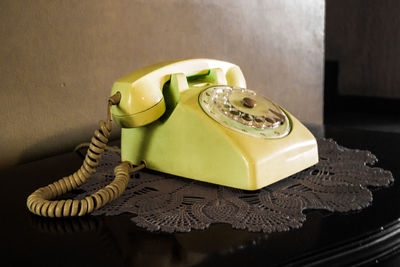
{"points": [[39, 201]]}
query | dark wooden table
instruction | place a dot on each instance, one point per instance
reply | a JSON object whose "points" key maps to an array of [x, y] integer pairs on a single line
{"points": [[369, 236]]}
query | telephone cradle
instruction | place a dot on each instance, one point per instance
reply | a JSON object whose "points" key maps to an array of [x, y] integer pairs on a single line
{"points": [[195, 119]]}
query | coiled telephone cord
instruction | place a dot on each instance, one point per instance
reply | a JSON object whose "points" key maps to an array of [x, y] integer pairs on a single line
{"points": [[40, 203]]}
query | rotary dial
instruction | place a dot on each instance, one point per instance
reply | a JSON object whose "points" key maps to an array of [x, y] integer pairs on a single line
{"points": [[243, 110]]}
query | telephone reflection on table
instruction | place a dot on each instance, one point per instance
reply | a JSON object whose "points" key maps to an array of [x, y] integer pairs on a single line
{"points": [[191, 118]]}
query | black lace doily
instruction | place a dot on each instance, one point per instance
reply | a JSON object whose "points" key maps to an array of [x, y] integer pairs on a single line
{"points": [[162, 202]]}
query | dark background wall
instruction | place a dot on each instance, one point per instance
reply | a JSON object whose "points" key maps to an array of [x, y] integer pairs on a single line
{"points": [[363, 37]]}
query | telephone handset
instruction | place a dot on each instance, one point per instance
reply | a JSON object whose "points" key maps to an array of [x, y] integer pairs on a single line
{"points": [[191, 118]]}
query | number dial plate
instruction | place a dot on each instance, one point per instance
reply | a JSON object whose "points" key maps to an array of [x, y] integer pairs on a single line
{"points": [[263, 119]]}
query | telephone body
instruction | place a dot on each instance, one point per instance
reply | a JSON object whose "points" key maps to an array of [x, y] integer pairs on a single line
{"points": [[195, 119]]}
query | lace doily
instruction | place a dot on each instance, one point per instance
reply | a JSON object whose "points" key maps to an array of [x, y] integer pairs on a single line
{"points": [[162, 202]]}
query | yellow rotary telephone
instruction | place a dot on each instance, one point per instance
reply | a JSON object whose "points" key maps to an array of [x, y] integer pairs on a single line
{"points": [[191, 118]]}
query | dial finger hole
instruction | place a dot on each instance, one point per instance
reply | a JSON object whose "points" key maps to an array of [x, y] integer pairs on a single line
{"points": [[247, 117], [235, 112], [268, 119], [259, 119], [227, 106]]}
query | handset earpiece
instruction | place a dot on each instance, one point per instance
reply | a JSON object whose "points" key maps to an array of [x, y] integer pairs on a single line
{"points": [[141, 103]]}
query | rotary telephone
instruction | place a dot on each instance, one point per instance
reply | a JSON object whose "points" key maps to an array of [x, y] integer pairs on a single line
{"points": [[191, 118]]}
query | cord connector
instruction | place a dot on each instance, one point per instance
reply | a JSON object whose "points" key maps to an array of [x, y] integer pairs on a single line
{"points": [[115, 98]]}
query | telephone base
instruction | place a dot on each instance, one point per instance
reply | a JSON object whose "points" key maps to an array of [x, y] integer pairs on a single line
{"points": [[190, 144]]}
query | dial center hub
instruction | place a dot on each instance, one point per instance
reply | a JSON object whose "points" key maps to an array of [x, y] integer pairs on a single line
{"points": [[249, 102]]}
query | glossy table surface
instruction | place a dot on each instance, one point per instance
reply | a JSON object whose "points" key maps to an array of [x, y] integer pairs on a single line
{"points": [[369, 236]]}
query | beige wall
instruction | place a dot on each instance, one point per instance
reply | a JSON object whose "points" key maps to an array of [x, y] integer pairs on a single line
{"points": [[60, 58]]}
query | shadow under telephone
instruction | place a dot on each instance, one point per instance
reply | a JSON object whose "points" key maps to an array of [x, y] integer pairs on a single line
{"points": [[191, 118]]}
